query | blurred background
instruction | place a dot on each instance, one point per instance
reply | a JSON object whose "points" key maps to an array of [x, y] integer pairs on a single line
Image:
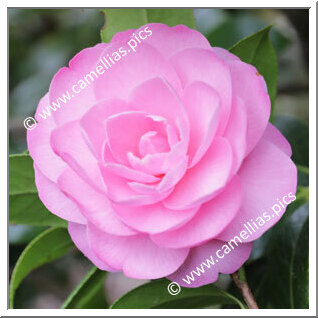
{"points": [[41, 41]]}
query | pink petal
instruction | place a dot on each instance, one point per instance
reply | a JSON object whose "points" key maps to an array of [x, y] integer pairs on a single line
{"points": [[55, 200], [39, 146], [67, 141], [121, 141], [198, 269], [129, 173], [203, 108], [137, 256], [153, 218], [225, 54], [170, 40], [94, 206], [235, 132], [169, 180], [68, 81], [209, 221], [78, 234], [133, 69], [208, 68], [250, 87], [273, 135], [167, 40], [119, 191], [202, 182], [268, 176], [93, 122], [151, 164], [157, 97]]}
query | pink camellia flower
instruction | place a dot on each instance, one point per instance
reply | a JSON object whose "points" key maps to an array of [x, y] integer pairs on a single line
{"points": [[164, 157]]}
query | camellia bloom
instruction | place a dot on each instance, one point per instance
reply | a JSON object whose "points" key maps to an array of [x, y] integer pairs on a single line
{"points": [[164, 157]]}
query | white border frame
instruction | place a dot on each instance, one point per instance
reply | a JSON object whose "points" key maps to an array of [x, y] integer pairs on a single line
{"points": [[312, 161]]}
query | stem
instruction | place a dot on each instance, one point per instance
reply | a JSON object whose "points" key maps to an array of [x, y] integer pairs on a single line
{"points": [[239, 279]]}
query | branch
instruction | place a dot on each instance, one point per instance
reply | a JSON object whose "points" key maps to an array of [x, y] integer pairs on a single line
{"points": [[239, 279]]}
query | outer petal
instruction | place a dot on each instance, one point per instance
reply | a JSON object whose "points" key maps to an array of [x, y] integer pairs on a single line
{"points": [[39, 146], [167, 40], [204, 65], [68, 142], [137, 256], [208, 273], [62, 85], [133, 69], [273, 135], [225, 54], [55, 200], [267, 176], [95, 206], [78, 234], [208, 222], [250, 87], [203, 181]]}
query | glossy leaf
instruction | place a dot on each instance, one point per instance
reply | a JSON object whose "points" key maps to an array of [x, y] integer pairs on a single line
{"points": [[117, 20], [25, 207], [48, 246], [257, 50], [89, 293], [156, 295]]}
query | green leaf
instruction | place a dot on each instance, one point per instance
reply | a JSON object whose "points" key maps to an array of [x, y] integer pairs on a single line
{"points": [[299, 288], [25, 207], [21, 175], [297, 133], [257, 50], [156, 295], [48, 246], [172, 17], [275, 289], [89, 293], [117, 20]]}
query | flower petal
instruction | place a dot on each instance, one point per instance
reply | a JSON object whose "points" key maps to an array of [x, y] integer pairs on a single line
{"points": [[78, 233], [39, 144], [204, 180], [68, 142], [94, 206], [137, 255], [202, 104], [204, 65], [208, 222], [55, 200], [65, 93], [93, 122], [268, 176], [208, 273], [244, 77], [273, 135], [235, 132], [153, 218]]}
